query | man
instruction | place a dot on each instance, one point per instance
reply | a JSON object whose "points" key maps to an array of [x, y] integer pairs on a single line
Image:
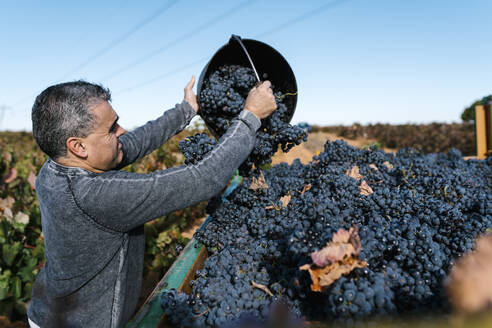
{"points": [[92, 214]]}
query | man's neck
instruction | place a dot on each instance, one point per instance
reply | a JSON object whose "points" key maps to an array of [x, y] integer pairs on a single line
{"points": [[75, 162]]}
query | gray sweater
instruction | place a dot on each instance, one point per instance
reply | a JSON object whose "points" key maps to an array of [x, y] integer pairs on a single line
{"points": [[93, 222]]}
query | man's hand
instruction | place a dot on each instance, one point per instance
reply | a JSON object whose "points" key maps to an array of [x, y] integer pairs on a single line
{"points": [[190, 96], [261, 101]]}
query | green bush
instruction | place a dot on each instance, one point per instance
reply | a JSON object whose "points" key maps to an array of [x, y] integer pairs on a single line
{"points": [[21, 240], [430, 138], [468, 114]]}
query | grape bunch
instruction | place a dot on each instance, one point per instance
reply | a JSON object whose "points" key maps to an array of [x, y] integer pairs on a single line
{"points": [[417, 214], [222, 99], [194, 148], [306, 126]]}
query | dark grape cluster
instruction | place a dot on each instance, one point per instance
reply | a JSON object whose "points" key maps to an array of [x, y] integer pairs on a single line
{"points": [[304, 125], [222, 99], [423, 213], [194, 148], [178, 306]]}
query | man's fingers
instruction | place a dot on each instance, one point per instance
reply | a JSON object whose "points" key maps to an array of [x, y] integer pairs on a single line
{"points": [[263, 86], [190, 84], [266, 84]]}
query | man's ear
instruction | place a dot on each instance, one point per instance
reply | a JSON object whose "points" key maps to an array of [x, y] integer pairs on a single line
{"points": [[77, 147]]}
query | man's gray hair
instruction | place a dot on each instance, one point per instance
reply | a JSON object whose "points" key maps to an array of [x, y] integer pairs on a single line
{"points": [[63, 111]]}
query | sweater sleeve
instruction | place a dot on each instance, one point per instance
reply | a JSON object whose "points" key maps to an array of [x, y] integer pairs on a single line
{"points": [[121, 200], [145, 139]]}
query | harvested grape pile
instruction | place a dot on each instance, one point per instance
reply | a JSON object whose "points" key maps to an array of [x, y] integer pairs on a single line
{"points": [[415, 214], [222, 99]]}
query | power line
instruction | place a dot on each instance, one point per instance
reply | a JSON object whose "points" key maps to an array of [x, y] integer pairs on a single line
{"points": [[157, 51], [183, 37], [114, 12], [3, 109], [272, 30], [275, 29], [122, 5], [302, 17], [122, 38], [161, 76], [20, 101], [111, 45]]}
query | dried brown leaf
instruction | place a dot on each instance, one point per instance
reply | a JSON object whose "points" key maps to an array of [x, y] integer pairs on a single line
{"points": [[306, 188], [344, 244], [325, 276], [203, 313], [258, 183], [388, 165], [354, 173], [340, 269], [469, 284], [270, 207], [32, 180], [7, 156], [10, 176], [285, 200], [21, 218], [332, 253], [354, 239], [365, 189], [262, 287], [7, 202], [5, 208], [373, 166], [341, 236], [7, 212], [337, 258]]}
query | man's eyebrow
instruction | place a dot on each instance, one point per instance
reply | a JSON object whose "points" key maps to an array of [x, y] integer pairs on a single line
{"points": [[114, 123]]}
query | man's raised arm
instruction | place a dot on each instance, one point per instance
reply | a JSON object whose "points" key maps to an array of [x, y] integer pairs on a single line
{"points": [[145, 139], [121, 200]]}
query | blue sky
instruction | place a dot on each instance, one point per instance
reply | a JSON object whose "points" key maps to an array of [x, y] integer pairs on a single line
{"points": [[366, 61]]}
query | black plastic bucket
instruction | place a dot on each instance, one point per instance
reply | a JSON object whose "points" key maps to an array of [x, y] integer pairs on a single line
{"points": [[269, 63]]}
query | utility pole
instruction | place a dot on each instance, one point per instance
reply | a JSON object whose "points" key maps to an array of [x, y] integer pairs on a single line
{"points": [[3, 109]]}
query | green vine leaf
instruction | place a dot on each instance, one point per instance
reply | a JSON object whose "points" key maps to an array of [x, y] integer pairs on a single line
{"points": [[16, 287], [26, 274], [9, 252], [4, 284]]}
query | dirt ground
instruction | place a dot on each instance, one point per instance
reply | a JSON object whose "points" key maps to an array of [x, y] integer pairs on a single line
{"points": [[188, 233]]}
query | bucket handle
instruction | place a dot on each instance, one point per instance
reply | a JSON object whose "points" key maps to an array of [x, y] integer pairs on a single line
{"points": [[238, 39]]}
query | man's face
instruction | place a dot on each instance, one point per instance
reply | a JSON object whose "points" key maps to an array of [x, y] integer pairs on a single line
{"points": [[104, 150]]}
